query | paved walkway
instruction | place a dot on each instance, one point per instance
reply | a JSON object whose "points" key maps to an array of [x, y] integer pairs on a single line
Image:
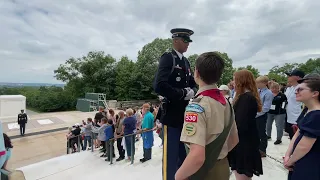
{"points": [[33, 149], [75, 166], [46, 121], [40, 149]]}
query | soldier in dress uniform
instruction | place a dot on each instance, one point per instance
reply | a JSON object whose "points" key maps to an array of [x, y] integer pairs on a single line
{"points": [[209, 129], [22, 121], [174, 81]]}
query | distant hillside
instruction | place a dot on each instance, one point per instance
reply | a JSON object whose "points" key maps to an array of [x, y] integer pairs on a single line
{"points": [[5, 84]]}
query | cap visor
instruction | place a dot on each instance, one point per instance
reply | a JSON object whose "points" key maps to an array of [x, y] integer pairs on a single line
{"points": [[288, 74]]}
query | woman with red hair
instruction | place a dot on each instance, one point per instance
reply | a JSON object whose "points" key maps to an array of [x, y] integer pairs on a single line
{"points": [[245, 159]]}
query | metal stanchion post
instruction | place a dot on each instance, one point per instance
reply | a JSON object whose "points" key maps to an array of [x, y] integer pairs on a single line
{"points": [[132, 148], [68, 146], [79, 143], [111, 152], [92, 141]]}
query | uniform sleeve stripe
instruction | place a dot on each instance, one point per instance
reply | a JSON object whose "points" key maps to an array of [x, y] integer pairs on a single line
{"points": [[165, 156]]}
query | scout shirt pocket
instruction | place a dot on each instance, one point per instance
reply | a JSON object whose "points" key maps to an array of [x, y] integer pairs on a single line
{"points": [[194, 126]]}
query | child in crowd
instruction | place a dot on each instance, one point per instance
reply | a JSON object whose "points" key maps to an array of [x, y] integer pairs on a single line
{"points": [[109, 132], [102, 136]]}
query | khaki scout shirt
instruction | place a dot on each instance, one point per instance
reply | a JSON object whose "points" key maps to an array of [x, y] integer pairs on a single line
{"points": [[205, 119]]}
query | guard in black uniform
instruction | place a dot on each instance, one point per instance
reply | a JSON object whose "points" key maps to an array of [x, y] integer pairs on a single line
{"points": [[174, 81], [22, 121]]}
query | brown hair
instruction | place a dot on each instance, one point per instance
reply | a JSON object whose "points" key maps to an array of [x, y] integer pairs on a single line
{"points": [[111, 111], [210, 66], [104, 120], [146, 105], [313, 84], [89, 119], [244, 80], [7, 141]]}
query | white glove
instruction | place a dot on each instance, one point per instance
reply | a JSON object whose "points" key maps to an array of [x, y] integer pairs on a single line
{"points": [[190, 94]]}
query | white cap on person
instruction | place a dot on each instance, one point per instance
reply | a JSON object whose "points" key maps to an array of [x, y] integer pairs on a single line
{"points": [[224, 88]]}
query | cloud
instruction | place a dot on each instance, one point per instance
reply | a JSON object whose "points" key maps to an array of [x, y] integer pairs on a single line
{"points": [[36, 35]]}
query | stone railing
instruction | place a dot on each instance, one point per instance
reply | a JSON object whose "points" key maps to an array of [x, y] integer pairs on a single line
{"points": [[130, 104]]}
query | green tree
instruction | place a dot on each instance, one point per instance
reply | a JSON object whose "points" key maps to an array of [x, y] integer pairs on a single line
{"points": [[124, 79], [310, 66], [250, 68], [146, 67], [278, 72], [91, 73], [192, 59], [227, 74], [316, 70]]}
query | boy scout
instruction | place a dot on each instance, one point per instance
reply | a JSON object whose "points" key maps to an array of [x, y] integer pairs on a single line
{"points": [[209, 130]]}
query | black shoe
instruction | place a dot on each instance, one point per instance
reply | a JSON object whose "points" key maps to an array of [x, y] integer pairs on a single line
{"points": [[277, 142], [103, 155], [120, 159], [143, 160], [269, 137], [263, 154]]}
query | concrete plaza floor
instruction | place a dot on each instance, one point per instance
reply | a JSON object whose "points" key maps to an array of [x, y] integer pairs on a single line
{"points": [[44, 156]]}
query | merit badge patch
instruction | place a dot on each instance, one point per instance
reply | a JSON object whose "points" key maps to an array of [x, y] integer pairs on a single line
{"points": [[194, 108], [191, 117], [189, 129]]}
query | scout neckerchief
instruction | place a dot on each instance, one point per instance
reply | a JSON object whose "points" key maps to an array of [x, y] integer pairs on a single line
{"points": [[214, 94], [214, 148]]}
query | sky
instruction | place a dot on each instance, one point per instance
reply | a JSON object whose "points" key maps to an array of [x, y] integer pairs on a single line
{"points": [[38, 35]]}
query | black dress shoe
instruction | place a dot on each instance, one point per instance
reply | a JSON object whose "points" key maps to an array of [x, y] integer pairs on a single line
{"points": [[277, 142], [143, 160], [120, 159], [103, 155]]}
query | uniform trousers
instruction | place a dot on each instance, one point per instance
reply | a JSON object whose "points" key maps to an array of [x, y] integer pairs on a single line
{"points": [[22, 128], [174, 152], [261, 125]]}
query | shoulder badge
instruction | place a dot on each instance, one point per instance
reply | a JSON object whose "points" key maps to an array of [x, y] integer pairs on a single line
{"points": [[191, 117], [194, 108], [189, 129]]}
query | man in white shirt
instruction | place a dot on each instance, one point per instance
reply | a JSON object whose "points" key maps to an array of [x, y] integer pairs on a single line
{"points": [[294, 107]]}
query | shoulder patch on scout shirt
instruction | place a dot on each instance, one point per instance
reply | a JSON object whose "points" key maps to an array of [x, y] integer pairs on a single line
{"points": [[194, 108], [191, 117], [189, 129]]}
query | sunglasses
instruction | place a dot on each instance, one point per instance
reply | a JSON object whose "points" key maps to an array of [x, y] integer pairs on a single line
{"points": [[185, 41], [298, 90]]}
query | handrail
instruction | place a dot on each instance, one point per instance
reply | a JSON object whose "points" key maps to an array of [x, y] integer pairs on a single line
{"points": [[111, 141], [132, 141], [142, 131]]}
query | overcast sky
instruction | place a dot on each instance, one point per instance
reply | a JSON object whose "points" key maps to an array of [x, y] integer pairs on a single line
{"points": [[38, 35]]}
